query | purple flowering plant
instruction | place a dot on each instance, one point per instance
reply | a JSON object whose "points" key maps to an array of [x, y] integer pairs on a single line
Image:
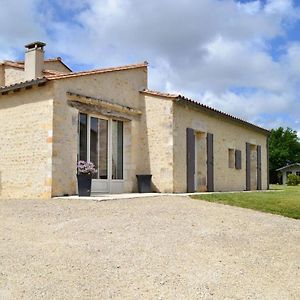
{"points": [[86, 167]]}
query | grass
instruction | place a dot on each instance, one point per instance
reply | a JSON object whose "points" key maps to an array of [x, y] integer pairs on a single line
{"points": [[280, 200]]}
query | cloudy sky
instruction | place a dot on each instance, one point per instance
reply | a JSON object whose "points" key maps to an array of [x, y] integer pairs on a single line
{"points": [[242, 57]]}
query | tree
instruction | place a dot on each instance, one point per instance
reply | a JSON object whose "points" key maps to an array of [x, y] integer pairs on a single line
{"points": [[284, 149]]}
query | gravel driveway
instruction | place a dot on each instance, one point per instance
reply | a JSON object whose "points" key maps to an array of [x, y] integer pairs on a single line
{"points": [[148, 248]]}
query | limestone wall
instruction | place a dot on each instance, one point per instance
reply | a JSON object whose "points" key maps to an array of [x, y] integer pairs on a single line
{"points": [[26, 143], [157, 141], [227, 134], [117, 87]]}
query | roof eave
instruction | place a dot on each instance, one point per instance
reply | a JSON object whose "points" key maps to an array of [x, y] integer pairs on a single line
{"points": [[26, 84]]}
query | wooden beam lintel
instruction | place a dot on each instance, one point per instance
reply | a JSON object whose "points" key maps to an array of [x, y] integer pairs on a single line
{"points": [[91, 109], [102, 104]]}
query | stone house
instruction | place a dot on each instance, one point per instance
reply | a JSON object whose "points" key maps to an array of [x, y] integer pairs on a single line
{"points": [[50, 117], [289, 169]]}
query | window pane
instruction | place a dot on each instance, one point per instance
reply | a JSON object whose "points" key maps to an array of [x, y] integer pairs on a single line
{"points": [[117, 150], [94, 144], [82, 136], [103, 148]]}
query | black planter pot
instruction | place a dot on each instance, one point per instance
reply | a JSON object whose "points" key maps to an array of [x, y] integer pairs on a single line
{"points": [[84, 184], [144, 183]]}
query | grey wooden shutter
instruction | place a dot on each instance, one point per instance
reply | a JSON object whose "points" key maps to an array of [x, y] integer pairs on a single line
{"points": [[259, 186], [238, 159], [248, 167], [190, 159], [210, 162]]}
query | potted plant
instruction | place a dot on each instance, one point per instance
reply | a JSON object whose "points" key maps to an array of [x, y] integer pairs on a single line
{"points": [[85, 171]]}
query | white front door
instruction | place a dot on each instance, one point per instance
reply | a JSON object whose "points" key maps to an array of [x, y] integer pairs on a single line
{"points": [[101, 142]]}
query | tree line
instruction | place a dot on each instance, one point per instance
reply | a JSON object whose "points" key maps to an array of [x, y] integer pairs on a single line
{"points": [[284, 149]]}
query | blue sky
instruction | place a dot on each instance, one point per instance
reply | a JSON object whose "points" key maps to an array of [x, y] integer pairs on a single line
{"points": [[242, 57]]}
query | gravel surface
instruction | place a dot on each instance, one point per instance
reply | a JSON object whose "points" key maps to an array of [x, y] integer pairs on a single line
{"points": [[146, 248]]}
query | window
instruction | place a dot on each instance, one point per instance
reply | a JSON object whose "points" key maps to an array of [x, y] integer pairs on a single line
{"points": [[231, 158], [235, 159], [298, 173]]}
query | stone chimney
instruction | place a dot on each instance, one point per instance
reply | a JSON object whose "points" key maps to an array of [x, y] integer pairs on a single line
{"points": [[34, 60]]}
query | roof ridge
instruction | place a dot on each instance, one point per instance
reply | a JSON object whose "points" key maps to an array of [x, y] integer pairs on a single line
{"points": [[97, 71]]}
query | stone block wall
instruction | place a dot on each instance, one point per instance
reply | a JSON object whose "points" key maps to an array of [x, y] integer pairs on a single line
{"points": [[227, 135], [158, 141], [116, 87], [26, 144]]}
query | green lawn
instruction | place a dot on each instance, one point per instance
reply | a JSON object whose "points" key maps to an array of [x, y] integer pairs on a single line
{"points": [[281, 200]]}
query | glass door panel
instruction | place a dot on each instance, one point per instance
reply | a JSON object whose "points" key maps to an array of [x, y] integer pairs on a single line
{"points": [[94, 144], [82, 137], [99, 146], [117, 149], [103, 149]]}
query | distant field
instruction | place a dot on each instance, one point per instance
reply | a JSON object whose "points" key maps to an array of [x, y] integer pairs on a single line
{"points": [[281, 200]]}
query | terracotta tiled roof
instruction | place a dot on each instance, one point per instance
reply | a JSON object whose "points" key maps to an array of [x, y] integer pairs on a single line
{"points": [[12, 64], [181, 99], [24, 84], [97, 71]]}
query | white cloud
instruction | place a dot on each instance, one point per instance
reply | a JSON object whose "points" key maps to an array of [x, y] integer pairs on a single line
{"points": [[279, 7], [19, 24], [251, 8], [216, 51]]}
